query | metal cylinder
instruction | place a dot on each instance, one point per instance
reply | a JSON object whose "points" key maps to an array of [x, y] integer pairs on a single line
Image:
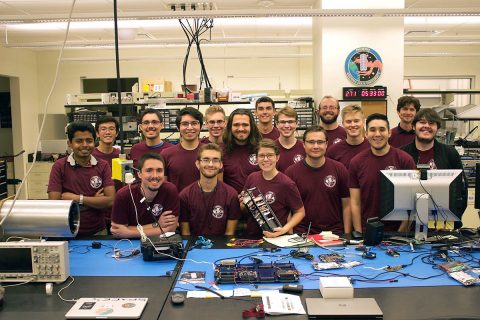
{"points": [[44, 218]]}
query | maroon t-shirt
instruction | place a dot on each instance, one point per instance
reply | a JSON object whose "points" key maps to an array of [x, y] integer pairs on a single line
{"points": [[180, 165], [344, 152], [290, 156], [322, 190], [281, 194], [274, 134], [336, 135], [139, 149], [208, 213], [123, 211], [427, 157], [238, 165], [401, 137], [82, 180], [365, 175]]}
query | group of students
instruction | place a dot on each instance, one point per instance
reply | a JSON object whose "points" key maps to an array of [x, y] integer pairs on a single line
{"points": [[328, 180]]}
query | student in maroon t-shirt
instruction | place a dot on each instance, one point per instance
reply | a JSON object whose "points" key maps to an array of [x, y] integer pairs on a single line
{"points": [[353, 121], [215, 122], [264, 111], [240, 140], [404, 133], [280, 192], [82, 178], [107, 131], [291, 149], [180, 159], [150, 205], [328, 111], [364, 181], [151, 123], [208, 206], [323, 185]]}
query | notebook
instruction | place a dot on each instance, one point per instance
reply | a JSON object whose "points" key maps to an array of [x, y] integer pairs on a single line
{"points": [[356, 308], [107, 308]]}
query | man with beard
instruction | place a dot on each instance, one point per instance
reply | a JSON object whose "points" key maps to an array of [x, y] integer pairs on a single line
{"points": [[353, 121], [291, 149], [328, 112], [265, 110], [364, 180], [151, 204], [240, 139], [215, 122], [425, 149], [208, 206], [180, 159], [151, 122], [404, 133]]}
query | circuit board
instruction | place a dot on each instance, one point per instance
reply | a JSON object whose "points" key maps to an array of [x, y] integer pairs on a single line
{"points": [[232, 272]]}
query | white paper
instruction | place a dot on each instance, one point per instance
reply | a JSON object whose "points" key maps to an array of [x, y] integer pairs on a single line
{"points": [[282, 303]]}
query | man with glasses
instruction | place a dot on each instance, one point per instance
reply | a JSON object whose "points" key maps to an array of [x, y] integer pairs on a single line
{"points": [[328, 112], [323, 185], [180, 159], [215, 122], [209, 207], [291, 149], [264, 111], [151, 122]]}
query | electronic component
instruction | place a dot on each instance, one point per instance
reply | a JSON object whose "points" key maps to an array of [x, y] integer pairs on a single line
{"points": [[295, 288], [331, 257], [258, 206], [256, 273], [369, 255], [464, 278], [161, 248], [392, 253], [453, 266], [34, 261]]}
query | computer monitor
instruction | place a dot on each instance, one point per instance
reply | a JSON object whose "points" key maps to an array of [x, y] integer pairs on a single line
{"points": [[410, 195]]}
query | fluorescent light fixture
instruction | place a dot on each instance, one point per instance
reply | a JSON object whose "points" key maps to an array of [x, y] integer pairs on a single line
{"points": [[364, 4], [447, 20]]}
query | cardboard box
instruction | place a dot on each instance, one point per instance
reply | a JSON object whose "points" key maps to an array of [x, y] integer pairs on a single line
{"points": [[336, 288]]}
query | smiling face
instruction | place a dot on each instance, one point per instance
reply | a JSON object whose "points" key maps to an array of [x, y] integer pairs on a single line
{"points": [[189, 128], [315, 145], [152, 174], [150, 126], [378, 133], [215, 124], [241, 128], [407, 113], [107, 132], [353, 124], [425, 131], [267, 159], [210, 163], [328, 110], [82, 145], [286, 125], [264, 112]]}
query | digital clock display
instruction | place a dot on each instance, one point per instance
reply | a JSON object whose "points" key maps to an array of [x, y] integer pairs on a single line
{"points": [[364, 93]]}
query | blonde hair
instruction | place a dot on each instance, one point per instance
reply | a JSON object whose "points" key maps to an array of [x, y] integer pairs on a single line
{"points": [[286, 111]]}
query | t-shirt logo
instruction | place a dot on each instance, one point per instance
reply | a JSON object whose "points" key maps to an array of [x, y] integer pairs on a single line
{"points": [[390, 168], [432, 164], [157, 209], [337, 140], [217, 212], [252, 159], [297, 158], [95, 182], [330, 181], [270, 197]]}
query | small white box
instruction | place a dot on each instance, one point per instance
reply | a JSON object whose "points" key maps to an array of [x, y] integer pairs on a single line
{"points": [[336, 288]]}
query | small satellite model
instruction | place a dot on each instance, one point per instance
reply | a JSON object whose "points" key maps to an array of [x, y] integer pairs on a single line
{"points": [[257, 205]]}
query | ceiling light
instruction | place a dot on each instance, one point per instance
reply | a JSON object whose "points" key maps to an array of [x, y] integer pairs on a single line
{"points": [[265, 3]]}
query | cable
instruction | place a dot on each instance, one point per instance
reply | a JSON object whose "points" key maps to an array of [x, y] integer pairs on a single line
{"points": [[60, 291], [18, 284]]}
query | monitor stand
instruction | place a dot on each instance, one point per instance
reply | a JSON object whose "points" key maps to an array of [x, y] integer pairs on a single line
{"points": [[421, 219]]}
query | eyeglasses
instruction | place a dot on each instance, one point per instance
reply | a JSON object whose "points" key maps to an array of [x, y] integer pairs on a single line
{"points": [[153, 122], [268, 156], [284, 122], [214, 122], [328, 108], [192, 123], [314, 142], [208, 161], [104, 129]]}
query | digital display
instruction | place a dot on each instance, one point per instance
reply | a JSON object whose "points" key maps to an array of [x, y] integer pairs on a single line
{"points": [[16, 260], [364, 93]]}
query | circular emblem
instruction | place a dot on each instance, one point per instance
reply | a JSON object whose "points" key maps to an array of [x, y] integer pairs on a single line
{"points": [[252, 159], [270, 197], [217, 212], [363, 66], [337, 140], [432, 164], [297, 158], [157, 209], [95, 182], [390, 168], [330, 181]]}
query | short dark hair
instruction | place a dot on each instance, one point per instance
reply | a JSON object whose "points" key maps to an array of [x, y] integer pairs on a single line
{"points": [[149, 156], [264, 99], [315, 129], [209, 146], [428, 114], [267, 143], [150, 111], [378, 116], [253, 138], [407, 100], [103, 120], [195, 113], [79, 126]]}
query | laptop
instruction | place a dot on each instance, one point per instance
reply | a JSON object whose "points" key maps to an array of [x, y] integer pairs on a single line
{"points": [[107, 308], [355, 308]]}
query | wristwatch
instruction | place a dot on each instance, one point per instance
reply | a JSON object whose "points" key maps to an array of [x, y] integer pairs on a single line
{"points": [[80, 201]]}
